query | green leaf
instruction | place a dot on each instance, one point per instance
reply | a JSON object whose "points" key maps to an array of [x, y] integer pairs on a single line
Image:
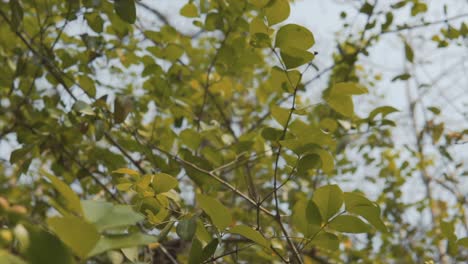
{"points": [[163, 182], [79, 235], [280, 115], [95, 22], [186, 228], [403, 77], [348, 224], [71, 199], [189, 10], [448, 230], [109, 242], [328, 163], [307, 162], [251, 234], [173, 52], [409, 52], [126, 10], [360, 205], [434, 110], [327, 241], [87, 84], [277, 11], [209, 249], [105, 215], [294, 57], [294, 36], [384, 110], [306, 217], [328, 124], [42, 243], [196, 252], [122, 107], [16, 14], [272, 134], [219, 215], [329, 199], [284, 81]]}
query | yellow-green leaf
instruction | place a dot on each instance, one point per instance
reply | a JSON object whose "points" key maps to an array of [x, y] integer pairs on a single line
{"points": [[349, 224], [329, 199], [163, 182], [348, 88], [126, 171], [360, 205], [219, 215], [189, 10], [251, 234], [326, 240], [294, 36], [110, 242], [71, 199], [87, 84], [280, 115], [306, 217], [277, 11], [342, 104], [294, 57], [79, 235]]}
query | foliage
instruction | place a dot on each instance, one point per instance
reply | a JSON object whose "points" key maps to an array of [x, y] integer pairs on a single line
{"points": [[151, 145]]}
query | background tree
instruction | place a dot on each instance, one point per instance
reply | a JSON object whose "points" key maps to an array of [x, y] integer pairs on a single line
{"points": [[131, 139]]}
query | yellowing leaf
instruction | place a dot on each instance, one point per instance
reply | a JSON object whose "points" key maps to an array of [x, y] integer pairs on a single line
{"points": [[219, 215], [189, 10], [163, 182], [342, 104], [277, 11], [294, 36], [259, 3], [126, 171], [348, 88], [257, 26], [251, 234]]}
